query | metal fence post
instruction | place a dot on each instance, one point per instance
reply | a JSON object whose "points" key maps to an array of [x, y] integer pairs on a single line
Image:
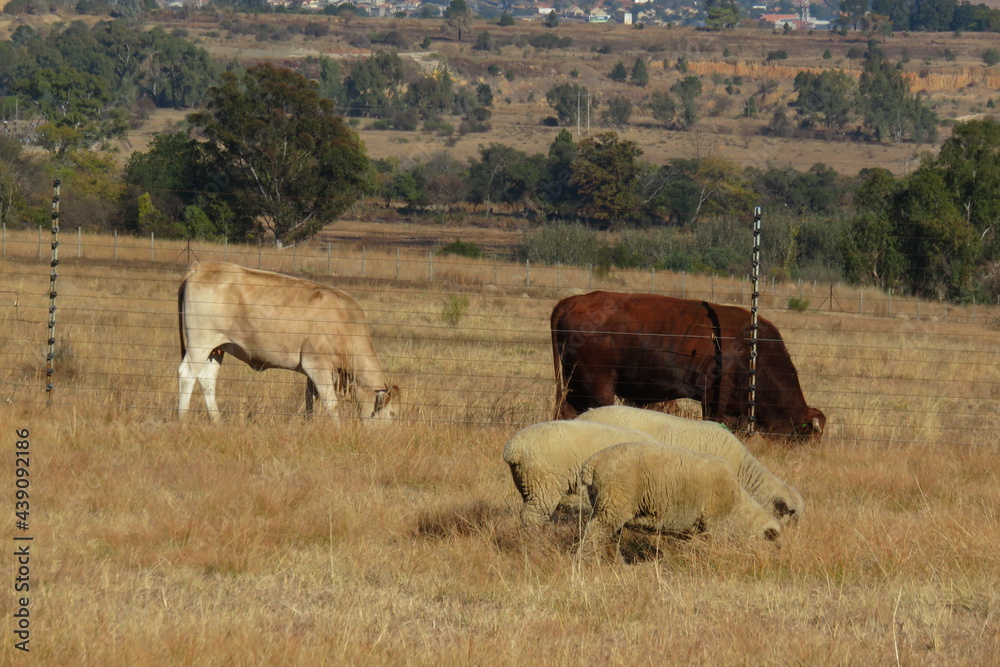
{"points": [[50, 357], [754, 297]]}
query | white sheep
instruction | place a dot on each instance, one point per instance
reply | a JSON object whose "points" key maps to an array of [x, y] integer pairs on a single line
{"points": [[781, 499], [667, 489], [545, 461]]}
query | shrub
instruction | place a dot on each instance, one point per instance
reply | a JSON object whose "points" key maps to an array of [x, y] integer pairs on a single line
{"points": [[780, 54], [991, 57], [462, 249], [797, 304], [454, 309], [561, 244]]}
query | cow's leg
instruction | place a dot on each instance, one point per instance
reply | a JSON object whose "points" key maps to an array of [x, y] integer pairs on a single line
{"points": [[311, 394], [324, 385], [208, 372], [590, 390], [196, 363]]}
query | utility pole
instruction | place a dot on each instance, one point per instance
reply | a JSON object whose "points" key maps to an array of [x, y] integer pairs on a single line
{"points": [[578, 114]]}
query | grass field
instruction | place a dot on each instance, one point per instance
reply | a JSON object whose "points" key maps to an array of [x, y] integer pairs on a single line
{"points": [[275, 539]]}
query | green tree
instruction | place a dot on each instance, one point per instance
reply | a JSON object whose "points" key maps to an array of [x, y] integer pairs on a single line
{"points": [[330, 85], [827, 97], [458, 17], [688, 90], [552, 19], [969, 165], [640, 76], [13, 179], [663, 107], [854, 10], [604, 176], [294, 164], [373, 84], [939, 243], [617, 112], [567, 100], [720, 14], [888, 109], [872, 249], [618, 72], [502, 175]]}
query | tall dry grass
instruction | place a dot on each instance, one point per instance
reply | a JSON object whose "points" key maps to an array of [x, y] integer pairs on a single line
{"points": [[271, 538]]}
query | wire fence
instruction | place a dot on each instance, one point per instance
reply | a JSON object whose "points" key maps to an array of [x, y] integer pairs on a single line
{"points": [[468, 341]]}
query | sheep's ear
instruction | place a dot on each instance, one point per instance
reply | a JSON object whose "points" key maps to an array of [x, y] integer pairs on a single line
{"points": [[782, 508]]}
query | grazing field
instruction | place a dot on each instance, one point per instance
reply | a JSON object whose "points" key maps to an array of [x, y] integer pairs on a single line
{"points": [[272, 538]]}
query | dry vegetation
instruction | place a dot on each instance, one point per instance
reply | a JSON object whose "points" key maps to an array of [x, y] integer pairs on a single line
{"points": [[945, 69], [275, 539]]}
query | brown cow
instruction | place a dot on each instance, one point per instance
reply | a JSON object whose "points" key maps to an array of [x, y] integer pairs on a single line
{"points": [[269, 320], [645, 348]]}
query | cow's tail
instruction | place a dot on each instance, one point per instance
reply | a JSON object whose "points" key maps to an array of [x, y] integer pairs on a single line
{"points": [[557, 360], [180, 315]]}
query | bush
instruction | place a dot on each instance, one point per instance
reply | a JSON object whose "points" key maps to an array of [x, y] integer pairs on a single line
{"points": [[561, 244], [454, 309], [797, 304], [462, 249], [780, 54], [991, 57]]}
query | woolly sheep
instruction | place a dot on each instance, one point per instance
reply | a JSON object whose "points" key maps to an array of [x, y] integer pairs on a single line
{"points": [[545, 461], [663, 488], [781, 499]]}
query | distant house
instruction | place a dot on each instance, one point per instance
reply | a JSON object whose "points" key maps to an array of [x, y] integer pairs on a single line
{"points": [[545, 10], [781, 20], [598, 16]]}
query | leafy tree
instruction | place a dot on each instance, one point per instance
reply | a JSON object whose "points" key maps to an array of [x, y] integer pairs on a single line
{"points": [[329, 79], [887, 108], [13, 179], [604, 176], [932, 15], [617, 112], [721, 14], [872, 250], [640, 77], [827, 96], [373, 84], [293, 163], [969, 165], [502, 175], [554, 194], [566, 100], [618, 72], [552, 20], [506, 20], [170, 171], [897, 11], [939, 243], [458, 17], [688, 90], [854, 10], [663, 107]]}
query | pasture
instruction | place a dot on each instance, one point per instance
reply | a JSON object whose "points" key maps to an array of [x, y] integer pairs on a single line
{"points": [[275, 539]]}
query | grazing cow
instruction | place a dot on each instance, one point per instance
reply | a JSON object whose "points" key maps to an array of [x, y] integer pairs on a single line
{"points": [[645, 348], [269, 320]]}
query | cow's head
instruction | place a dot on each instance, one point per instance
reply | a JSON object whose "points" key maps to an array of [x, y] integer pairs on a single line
{"points": [[386, 404], [813, 424]]}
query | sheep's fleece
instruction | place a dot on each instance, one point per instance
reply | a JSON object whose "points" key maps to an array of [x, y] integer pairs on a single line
{"points": [[545, 460], [781, 499], [662, 488]]}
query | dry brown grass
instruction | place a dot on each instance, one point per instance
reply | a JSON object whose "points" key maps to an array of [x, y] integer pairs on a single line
{"points": [[279, 540]]}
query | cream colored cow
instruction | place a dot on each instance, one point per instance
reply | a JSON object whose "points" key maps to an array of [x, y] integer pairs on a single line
{"points": [[269, 320]]}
